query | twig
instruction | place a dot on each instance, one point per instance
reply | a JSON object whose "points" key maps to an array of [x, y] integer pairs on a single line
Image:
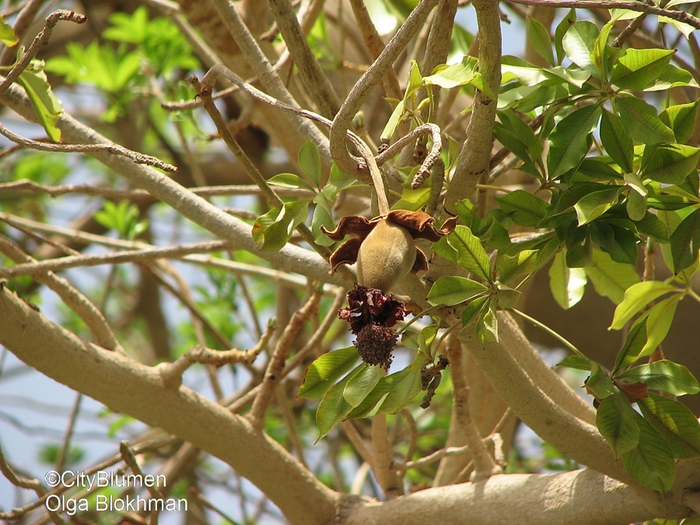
{"points": [[359, 92], [141, 195], [315, 81], [73, 298], [366, 162], [140, 448], [275, 367], [65, 446], [40, 41], [681, 16], [21, 26], [203, 90], [312, 345], [375, 46], [63, 263], [433, 156], [485, 466], [267, 75], [172, 372], [115, 149]]}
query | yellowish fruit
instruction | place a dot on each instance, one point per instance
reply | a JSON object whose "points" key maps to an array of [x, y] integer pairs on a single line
{"points": [[386, 255]]}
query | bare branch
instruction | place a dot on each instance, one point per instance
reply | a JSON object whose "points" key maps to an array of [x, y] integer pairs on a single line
{"points": [[172, 372], [681, 16], [275, 367], [114, 149], [72, 297]]}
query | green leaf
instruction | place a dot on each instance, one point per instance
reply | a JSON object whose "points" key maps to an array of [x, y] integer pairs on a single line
{"points": [[289, 180], [569, 142], [659, 319], [641, 121], [595, 204], [412, 199], [310, 162], [637, 68], [451, 290], [651, 463], [7, 34], [526, 209], [394, 120], [487, 325], [636, 205], [540, 40], [512, 267], [324, 371], [681, 119], [636, 298], [470, 253], [600, 50], [578, 43], [616, 142], [576, 361], [474, 309], [675, 422], [455, 75], [669, 163], [685, 242], [567, 284], [333, 408], [632, 349], [45, 103], [610, 279], [664, 375], [599, 383], [275, 228], [617, 423], [359, 387], [404, 385], [561, 30]]}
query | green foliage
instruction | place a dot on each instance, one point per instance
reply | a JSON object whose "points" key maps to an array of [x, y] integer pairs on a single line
{"points": [[122, 217], [48, 454]]}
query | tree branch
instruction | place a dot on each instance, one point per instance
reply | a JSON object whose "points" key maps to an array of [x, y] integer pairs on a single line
{"points": [[475, 154], [198, 210], [681, 16], [126, 386]]}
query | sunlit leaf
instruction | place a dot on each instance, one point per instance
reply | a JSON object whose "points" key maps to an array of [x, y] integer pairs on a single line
{"points": [[47, 106], [675, 422], [324, 371], [664, 375], [310, 162], [610, 279], [450, 290], [569, 142], [567, 284], [525, 208], [669, 163], [637, 297], [642, 122], [637, 68], [470, 253]]}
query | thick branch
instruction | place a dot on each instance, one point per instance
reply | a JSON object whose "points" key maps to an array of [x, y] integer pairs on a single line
{"points": [[475, 154], [137, 390], [528, 499]]}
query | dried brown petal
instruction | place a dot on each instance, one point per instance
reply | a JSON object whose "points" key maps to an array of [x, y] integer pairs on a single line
{"points": [[351, 225], [421, 225], [371, 306], [421, 264], [345, 254]]}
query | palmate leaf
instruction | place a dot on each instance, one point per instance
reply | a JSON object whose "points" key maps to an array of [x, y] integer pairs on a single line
{"points": [[637, 68], [451, 290], [663, 375]]}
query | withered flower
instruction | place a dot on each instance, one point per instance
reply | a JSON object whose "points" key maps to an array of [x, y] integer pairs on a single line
{"points": [[371, 315], [384, 247]]}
